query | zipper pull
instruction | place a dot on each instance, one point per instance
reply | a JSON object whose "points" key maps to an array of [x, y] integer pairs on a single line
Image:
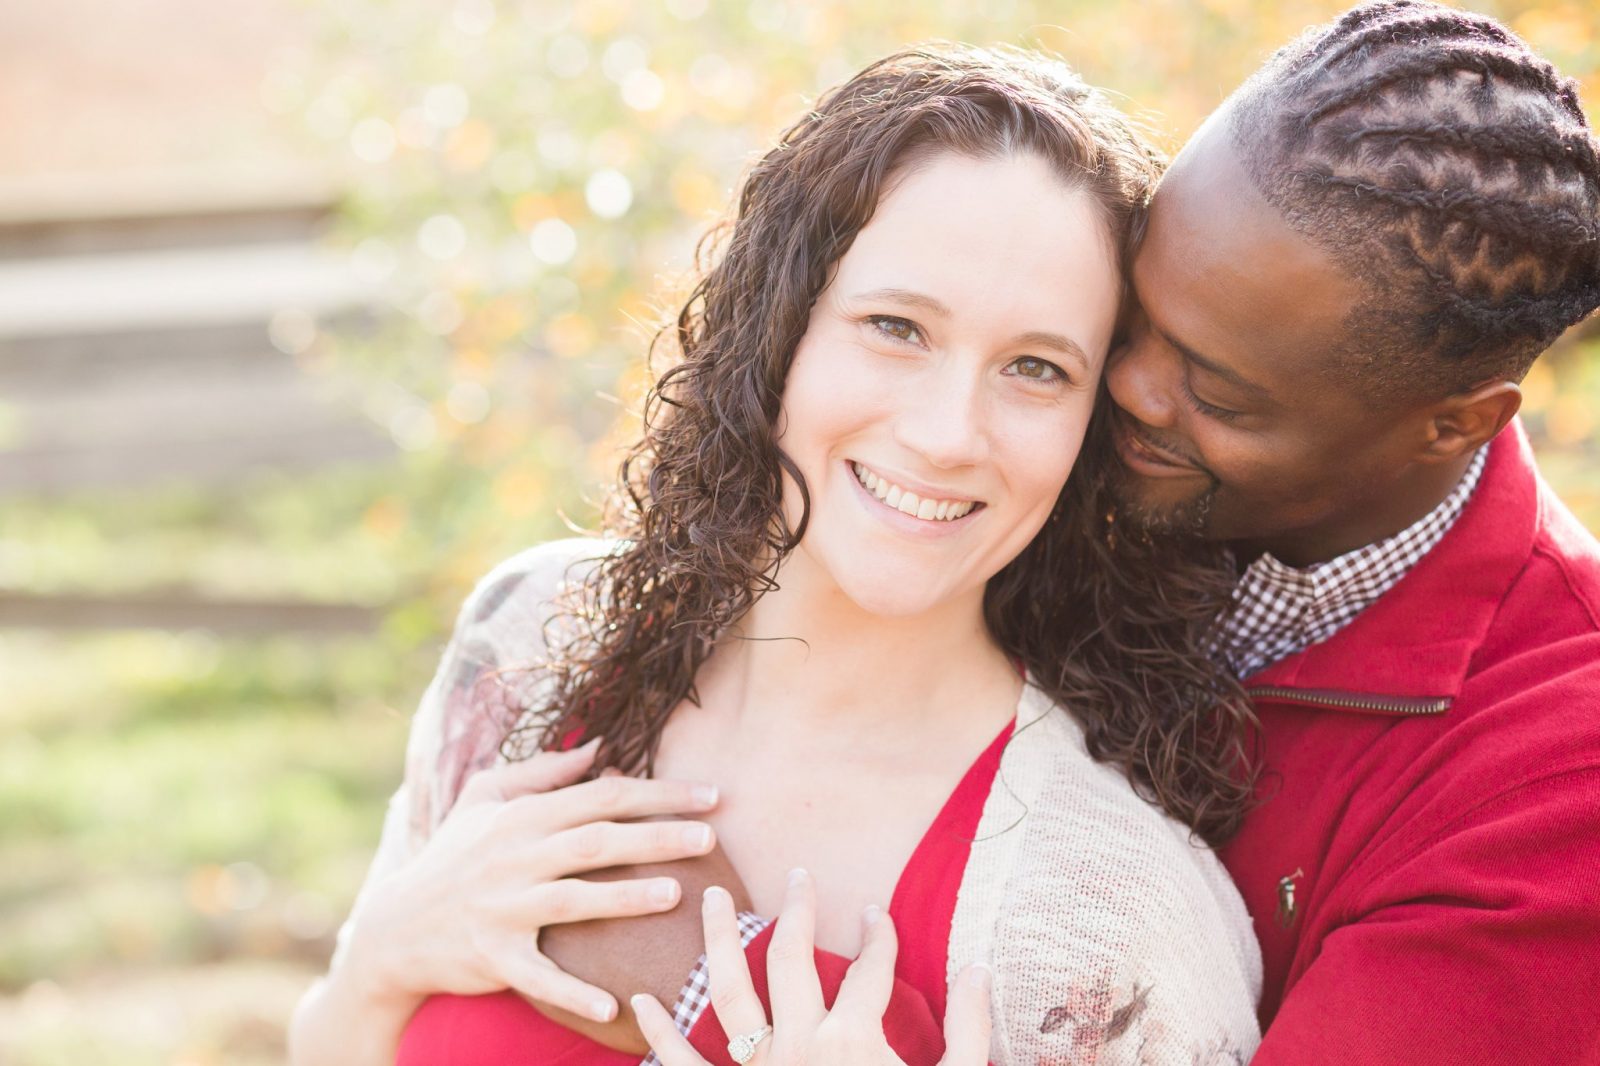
{"points": [[1286, 905]]}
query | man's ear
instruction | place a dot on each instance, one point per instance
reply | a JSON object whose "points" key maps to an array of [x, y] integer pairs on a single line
{"points": [[1462, 422]]}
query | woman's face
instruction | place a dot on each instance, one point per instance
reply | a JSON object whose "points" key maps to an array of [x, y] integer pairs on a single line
{"points": [[940, 394]]}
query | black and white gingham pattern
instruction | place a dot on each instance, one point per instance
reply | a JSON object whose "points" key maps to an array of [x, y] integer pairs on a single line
{"points": [[695, 996], [1279, 609]]}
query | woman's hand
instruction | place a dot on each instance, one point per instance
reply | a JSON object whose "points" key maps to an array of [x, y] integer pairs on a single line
{"points": [[804, 1031], [464, 915]]}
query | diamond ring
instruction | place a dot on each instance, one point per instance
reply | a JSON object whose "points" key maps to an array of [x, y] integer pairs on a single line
{"points": [[743, 1048]]}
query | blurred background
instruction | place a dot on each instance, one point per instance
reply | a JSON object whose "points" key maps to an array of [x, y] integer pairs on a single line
{"points": [[311, 312]]}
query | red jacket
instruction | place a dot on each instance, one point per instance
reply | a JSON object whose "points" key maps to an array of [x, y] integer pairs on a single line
{"points": [[1432, 793]]}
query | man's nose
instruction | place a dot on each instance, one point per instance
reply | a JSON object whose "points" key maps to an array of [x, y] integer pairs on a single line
{"points": [[945, 421], [1141, 380]]}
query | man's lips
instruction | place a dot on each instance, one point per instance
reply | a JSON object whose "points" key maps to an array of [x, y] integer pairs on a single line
{"points": [[1139, 454]]}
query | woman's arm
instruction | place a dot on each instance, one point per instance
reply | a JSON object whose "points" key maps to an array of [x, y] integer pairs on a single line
{"points": [[476, 858], [464, 916]]}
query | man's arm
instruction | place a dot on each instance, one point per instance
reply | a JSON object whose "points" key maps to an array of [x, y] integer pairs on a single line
{"points": [[653, 953], [656, 954], [1482, 946]]}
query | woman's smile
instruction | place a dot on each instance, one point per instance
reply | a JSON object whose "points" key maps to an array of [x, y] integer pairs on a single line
{"points": [[929, 509]]}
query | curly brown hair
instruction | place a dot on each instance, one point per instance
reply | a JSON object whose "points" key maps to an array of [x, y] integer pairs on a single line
{"points": [[1110, 623]]}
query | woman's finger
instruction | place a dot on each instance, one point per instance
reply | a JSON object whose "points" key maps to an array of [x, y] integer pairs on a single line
{"points": [[797, 1007], [608, 799], [544, 771], [572, 899], [663, 1036], [601, 844], [966, 1018], [536, 977], [733, 997], [868, 984]]}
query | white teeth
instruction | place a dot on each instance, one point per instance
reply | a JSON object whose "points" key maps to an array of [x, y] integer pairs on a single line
{"points": [[909, 502]]}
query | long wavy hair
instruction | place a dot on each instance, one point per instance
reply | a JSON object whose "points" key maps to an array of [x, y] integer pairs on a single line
{"points": [[1110, 623]]}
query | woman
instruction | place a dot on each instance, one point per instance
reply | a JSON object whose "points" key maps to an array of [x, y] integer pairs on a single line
{"points": [[862, 582]]}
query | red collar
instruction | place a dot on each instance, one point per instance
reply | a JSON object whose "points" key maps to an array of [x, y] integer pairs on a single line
{"points": [[1418, 639]]}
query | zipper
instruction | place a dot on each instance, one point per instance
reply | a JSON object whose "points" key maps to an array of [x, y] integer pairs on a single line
{"points": [[1362, 702]]}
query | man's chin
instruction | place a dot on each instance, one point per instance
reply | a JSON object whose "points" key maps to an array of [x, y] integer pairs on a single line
{"points": [[1141, 507]]}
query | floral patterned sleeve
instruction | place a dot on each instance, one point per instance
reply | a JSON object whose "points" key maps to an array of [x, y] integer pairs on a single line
{"points": [[483, 688]]}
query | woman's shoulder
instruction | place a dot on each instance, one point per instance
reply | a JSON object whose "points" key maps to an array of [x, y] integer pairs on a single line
{"points": [[1048, 769], [491, 677], [1095, 908], [531, 581]]}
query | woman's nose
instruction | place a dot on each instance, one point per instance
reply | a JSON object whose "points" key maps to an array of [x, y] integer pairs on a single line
{"points": [[1141, 381], [945, 421]]}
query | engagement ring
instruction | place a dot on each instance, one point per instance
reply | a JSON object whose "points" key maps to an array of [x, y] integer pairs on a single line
{"points": [[743, 1048]]}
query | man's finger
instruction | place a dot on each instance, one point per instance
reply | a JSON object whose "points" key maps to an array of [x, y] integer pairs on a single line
{"points": [[966, 1018], [544, 771], [663, 1036], [868, 984], [797, 1007]]}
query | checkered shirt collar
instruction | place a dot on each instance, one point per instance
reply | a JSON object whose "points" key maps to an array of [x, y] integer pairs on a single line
{"points": [[1279, 609]]}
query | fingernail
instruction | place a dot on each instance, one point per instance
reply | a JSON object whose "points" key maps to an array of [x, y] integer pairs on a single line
{"points": [[587, 746], [637, 1000], [602, 1010], [697, 837], [797, 877], [715, 895], [664, 892], [871, 915], [979, 975], [705, 795]]}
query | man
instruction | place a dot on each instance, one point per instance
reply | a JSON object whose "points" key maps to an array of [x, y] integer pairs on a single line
{"points": [[1345, 274]]}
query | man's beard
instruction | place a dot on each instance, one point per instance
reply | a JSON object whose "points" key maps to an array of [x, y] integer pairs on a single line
{"points": [[1189, 518]]}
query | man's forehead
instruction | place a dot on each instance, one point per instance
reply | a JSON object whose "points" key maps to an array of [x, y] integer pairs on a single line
{"points": [[1222, 272]]}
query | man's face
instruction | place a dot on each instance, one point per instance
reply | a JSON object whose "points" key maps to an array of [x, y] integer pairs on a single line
{"points": [[1231, 424]]}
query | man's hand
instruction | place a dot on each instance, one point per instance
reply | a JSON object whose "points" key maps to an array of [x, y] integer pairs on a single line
{"points": [[652, 953]]}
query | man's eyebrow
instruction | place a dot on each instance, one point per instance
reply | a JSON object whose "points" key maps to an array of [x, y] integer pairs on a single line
{"points": [[1033, 338], [1211, 366]]}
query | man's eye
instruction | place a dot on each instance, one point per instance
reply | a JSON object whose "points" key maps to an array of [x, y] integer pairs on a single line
{"points": [[1210, 410], [1035, 369], [898, 328]]}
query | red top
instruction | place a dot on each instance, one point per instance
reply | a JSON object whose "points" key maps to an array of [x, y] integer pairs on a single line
{"points": [[502, 1029], [1432, 793]]}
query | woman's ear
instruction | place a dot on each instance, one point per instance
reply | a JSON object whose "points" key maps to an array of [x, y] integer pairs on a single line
{"points": [[1466, 420]]}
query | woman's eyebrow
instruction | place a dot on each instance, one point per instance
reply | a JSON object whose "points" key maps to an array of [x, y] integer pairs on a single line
{"points": [[908, 297], [1056, 343]]}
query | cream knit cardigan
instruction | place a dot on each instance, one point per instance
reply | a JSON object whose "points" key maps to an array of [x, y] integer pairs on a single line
{"points": [[1113, 938]]}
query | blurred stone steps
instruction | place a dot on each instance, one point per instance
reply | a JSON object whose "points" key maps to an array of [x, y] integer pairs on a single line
{"points": [[136, 339]]}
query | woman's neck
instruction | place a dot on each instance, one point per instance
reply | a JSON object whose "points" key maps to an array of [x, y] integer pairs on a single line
{"points": [[809, 657]]}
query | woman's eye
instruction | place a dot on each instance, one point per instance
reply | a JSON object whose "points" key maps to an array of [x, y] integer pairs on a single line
{"points": [[898, 328], [1035, 369]]}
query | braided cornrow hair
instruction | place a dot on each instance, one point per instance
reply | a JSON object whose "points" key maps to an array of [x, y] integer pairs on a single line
{"points": [[1449, 168]]}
